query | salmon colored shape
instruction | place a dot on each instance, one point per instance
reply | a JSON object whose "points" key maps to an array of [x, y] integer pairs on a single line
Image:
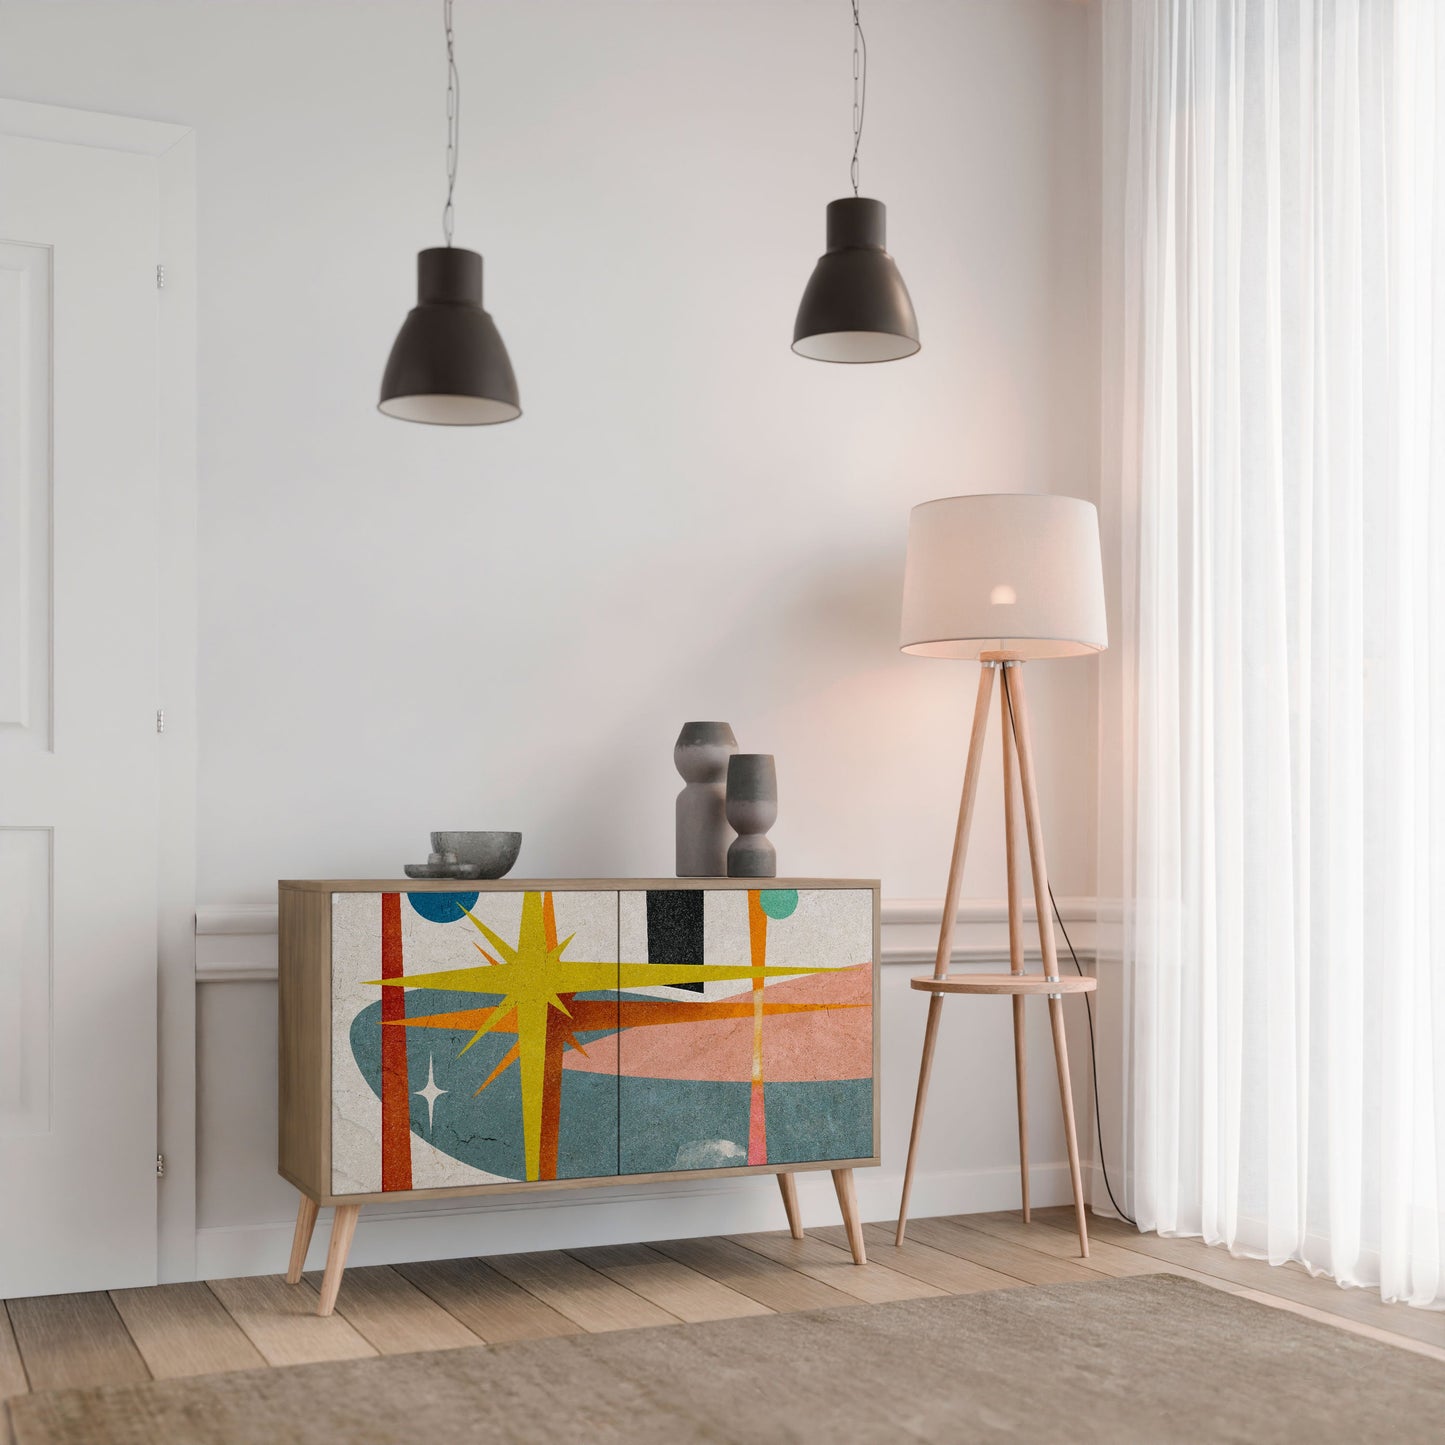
{"points": [[830, 1037]]}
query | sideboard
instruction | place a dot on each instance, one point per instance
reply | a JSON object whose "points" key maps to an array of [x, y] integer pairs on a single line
{"points": [[455, 1038]]}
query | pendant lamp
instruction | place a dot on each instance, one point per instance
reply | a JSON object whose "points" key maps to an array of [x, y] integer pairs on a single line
{"points": [[448, 365], [855, 307]]}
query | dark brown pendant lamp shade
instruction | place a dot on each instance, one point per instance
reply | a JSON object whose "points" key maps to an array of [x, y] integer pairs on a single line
{"points": [[448, 365], [856, 307]]}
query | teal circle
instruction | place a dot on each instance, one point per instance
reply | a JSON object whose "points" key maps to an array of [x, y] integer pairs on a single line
{"points": [[442, 907], [778, 902]]}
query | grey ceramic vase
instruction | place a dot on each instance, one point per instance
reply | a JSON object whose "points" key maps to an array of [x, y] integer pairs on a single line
{"points": [[701, 754], [752, 808]]}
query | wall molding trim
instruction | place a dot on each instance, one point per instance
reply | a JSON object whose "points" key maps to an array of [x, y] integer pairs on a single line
{"points": [[207, 972], [908, 927], [985, 956], [981, 910], [220, 920]]}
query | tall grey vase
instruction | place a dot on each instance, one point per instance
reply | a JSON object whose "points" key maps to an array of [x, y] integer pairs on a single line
{"points": [[701, 754], [752, 810]]}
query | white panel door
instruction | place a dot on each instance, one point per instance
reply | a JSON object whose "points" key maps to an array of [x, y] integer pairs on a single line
{"points": [[78, 690]]}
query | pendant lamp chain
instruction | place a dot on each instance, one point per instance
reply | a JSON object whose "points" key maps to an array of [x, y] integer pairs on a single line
{"points": [[860, 89], [454, 118]]}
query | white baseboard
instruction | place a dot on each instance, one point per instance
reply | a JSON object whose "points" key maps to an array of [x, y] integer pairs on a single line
{"points": [[510, 1224]]}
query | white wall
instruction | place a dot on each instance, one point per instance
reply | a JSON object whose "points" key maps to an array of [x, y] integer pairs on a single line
{"points": [[404, 627]]}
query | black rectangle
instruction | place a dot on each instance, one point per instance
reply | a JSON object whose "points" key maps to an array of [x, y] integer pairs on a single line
{"points": [[674, 928]]}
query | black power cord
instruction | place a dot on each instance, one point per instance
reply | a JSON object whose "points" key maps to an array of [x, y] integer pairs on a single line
{"points": [[1093, 1061], [1088, 1009]]}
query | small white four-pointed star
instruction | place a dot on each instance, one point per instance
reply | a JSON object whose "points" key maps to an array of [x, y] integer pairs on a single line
{"points": [[431, 1093]]}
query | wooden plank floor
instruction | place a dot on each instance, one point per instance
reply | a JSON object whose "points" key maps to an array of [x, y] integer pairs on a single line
{"points": [[237, 1324]]}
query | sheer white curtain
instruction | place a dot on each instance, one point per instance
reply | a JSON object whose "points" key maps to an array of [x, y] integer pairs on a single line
{"points": [[1274, 318]]}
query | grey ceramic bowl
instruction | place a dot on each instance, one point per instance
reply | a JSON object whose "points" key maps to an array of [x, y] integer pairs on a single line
{"points": [[493, 853]]}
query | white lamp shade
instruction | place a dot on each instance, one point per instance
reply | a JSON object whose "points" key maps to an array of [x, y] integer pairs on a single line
{"points": [[1016, 573]]}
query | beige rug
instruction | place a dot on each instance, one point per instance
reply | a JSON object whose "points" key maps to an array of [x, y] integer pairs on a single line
{"points": [[1149, 1359]]}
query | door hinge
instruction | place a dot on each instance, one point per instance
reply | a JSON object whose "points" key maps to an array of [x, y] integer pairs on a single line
{"points": [[160, 1166], [160, 278], [160, 719]]}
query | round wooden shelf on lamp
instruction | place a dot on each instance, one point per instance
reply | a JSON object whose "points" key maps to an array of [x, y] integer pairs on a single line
{"points": [[1014, 983], [1004, 579]]}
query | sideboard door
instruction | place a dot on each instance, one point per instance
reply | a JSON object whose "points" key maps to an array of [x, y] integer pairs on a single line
{"points": [[746, 1021], [462, 1026]]}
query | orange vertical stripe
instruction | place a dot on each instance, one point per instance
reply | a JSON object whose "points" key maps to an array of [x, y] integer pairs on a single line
{"points": [[758, 950], [558, 1027], [395, 1089]]}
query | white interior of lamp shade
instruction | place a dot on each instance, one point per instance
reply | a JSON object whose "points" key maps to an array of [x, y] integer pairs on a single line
{"points": [[1029, 649], [450, 410], [855, 346]]}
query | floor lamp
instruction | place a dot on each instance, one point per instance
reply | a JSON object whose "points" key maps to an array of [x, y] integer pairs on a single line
{"points": [[1003, 579]]}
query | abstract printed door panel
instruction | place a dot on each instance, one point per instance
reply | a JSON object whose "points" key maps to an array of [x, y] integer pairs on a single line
{"points": [[764, 1054], [456, 1018]]}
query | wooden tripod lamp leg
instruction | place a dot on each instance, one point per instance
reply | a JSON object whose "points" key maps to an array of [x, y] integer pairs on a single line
{"points": [[925, 1067], [1015, 941], [950, 913], [1013, 683], [343, 1227], [1066, 1099], [789, 1187]]}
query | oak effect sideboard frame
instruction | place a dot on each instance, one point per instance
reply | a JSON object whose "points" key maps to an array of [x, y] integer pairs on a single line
{"points": [[306, 1078]]}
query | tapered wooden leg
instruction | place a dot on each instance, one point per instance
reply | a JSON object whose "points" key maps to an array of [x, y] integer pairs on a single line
{"points": [[1021, 1088], [1066, 1097], [930, 1038], [848, 1203], [301, 1240], [1015, 940], [789, 1186], [342, 1229], [1013, 682]]}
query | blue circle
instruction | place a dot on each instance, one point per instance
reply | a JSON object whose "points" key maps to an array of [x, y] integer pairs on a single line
{"points": [[442, 907]]}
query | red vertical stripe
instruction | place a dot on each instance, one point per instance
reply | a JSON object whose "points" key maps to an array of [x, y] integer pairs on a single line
{"points": [[395, 1089]]}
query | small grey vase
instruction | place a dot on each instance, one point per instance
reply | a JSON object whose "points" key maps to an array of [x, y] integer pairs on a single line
{"points": [[701, 754], [752, 808]]}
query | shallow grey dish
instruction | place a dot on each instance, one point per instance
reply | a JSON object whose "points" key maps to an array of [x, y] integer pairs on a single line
{"points": [[492, 853], [461, 871]]}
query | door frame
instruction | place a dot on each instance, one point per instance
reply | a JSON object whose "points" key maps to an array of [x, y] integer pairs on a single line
{"points": [[174, 149]]}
